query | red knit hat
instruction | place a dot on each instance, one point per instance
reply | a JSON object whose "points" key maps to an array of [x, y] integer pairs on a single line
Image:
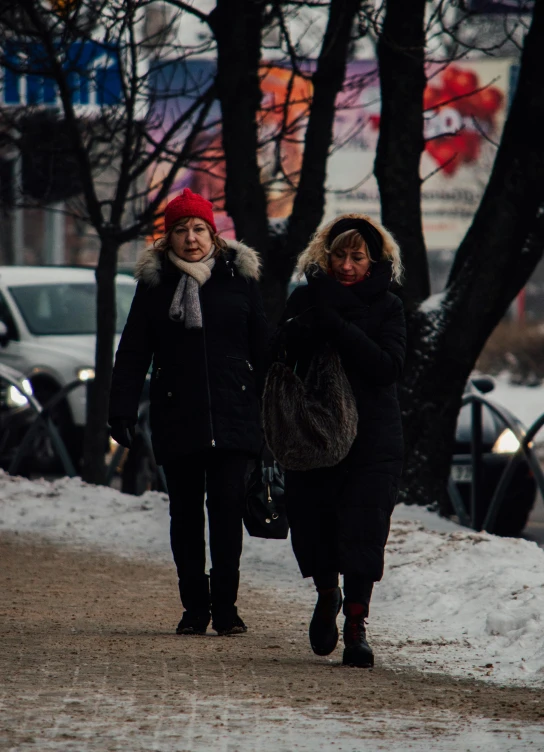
{"points": [[188, 204]]}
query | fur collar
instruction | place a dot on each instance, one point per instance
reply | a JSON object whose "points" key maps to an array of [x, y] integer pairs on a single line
{"points": [[149, 266]]}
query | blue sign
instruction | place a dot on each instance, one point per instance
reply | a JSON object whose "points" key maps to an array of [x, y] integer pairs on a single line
{"points": [[91, 69], [501, 6]]}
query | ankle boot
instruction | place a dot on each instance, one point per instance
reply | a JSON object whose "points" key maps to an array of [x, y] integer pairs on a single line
{"points": [[224, 592], [228, 622], [195, 597], [193, 623], [323, 630], [357, 651]]}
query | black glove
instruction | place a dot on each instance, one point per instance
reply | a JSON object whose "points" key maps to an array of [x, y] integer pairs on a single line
{"points": [[334, 303], [327, 292], [123, 431], [302, 325]]}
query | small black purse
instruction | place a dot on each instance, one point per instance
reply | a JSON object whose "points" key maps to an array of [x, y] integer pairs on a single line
{"points": [[264, 509]]}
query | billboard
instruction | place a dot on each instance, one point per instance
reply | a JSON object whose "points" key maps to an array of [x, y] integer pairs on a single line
{"points": [[91, 67], [465, 107], [501, 6]]}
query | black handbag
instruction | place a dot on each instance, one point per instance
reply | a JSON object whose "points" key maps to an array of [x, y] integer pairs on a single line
{"points": [[264, 509]]}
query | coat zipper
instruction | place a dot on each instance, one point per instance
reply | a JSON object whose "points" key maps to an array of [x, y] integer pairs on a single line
{"points": [[207, 374], [243, 360]]}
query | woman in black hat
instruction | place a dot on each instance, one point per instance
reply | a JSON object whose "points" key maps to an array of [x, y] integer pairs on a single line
{"points": [[340, 516]]}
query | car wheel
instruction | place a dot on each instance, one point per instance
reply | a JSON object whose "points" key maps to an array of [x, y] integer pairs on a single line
{"points": [[516, 508], [43, 457]]}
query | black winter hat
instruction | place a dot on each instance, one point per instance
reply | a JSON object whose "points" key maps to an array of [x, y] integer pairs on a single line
{"points": [[371, 236]]}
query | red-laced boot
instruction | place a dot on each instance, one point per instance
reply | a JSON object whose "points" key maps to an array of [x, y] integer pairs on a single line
{"points": [[357, 651]]}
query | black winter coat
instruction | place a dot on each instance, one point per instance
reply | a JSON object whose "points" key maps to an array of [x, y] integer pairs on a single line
{"points": [[205, 383], [340, 516]]}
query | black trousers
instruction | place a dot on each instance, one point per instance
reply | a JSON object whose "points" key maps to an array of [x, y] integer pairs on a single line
{"points": [[221, 475]]}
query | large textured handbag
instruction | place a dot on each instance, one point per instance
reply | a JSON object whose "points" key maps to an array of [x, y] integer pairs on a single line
{"points": [[264, 510], [312, 423]]}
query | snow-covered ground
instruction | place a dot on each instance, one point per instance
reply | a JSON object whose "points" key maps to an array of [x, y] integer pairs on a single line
{"points": [[451, 600]]}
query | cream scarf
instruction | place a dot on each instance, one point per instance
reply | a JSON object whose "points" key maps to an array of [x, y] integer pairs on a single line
{"points": [[185, 306]]}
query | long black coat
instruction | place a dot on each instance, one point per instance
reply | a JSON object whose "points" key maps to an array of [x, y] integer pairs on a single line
{"points": [[340, 516], [205, 383]]}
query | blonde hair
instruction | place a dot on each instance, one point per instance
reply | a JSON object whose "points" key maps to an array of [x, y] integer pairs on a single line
{"points": [[318, 253], [162, 244]]}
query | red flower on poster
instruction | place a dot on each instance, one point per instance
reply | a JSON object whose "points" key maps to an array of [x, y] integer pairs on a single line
{"points": [[460, 112]]}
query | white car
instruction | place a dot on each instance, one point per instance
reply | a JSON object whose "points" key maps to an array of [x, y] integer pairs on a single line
{"points": [[48, 332]]}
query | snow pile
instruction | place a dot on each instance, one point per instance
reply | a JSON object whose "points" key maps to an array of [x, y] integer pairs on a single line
{"points": [[466, 603], [470, 604]]}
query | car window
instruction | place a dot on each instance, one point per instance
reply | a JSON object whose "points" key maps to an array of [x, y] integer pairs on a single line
{"points": [[295, 281], [68, 308], [7, 318]]}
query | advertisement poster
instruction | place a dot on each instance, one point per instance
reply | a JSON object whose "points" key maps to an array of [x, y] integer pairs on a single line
{"points": [[501, 6], [465, 108]]}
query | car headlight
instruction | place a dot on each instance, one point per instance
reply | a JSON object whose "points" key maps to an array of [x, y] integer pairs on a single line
{"points": [[85, 374], [506, 443], [27, 387], [14, 397]]}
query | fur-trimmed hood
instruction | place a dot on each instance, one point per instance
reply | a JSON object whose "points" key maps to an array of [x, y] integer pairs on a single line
{"points": [[150, 264], [317, 252]]}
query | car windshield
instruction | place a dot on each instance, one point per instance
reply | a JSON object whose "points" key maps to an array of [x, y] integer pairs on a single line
{"points": [[66, 308]]}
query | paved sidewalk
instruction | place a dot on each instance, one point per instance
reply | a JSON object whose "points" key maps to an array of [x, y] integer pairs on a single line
{"points": [[89, 663]]}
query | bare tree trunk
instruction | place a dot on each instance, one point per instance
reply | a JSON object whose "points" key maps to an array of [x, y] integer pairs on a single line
{"points": [[237, 25], [497, 257], [327, 80], [96, 430], [401, 58]]}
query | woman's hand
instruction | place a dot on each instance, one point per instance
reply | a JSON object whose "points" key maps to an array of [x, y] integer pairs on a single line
{"points": [[327, 292]]}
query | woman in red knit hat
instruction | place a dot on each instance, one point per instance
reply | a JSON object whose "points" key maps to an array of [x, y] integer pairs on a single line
{"points": [[197, 316]]}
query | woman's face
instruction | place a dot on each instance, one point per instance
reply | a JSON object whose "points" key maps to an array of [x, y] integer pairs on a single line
{"points": [[191, 241], [349, 266]]}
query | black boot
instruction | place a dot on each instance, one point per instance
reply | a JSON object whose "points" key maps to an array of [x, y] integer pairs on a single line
{"points": [[195, 597], [193, 623], [224, 592], [357, 651], [227, 622], [323, 630]]}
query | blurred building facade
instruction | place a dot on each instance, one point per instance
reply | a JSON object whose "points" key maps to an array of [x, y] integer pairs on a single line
{"points": [[466, 104]]}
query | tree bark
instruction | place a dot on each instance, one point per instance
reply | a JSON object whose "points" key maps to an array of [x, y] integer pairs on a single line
{"points": [[327, 80], [96, 430], [496, 258], [401, 59], [237, 25]]}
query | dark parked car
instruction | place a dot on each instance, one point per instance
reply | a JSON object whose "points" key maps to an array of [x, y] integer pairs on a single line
{"points": [[499, 444], [16, 414]]}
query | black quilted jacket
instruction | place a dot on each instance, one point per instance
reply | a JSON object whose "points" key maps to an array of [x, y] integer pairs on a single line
{"points": [[205, 384]]}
